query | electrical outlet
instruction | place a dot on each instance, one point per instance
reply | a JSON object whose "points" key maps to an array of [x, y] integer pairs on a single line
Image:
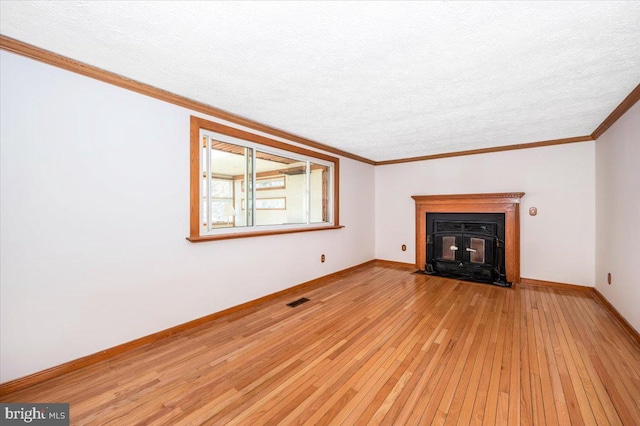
{"points": [[609, 278], [322, 258], [404, 247]]}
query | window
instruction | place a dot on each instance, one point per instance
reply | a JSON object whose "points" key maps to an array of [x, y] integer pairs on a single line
{"points": [[243, 185], [219, 203]]}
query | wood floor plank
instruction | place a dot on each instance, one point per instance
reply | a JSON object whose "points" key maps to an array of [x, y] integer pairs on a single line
{"points": [[537, 406], [564, 395], [544, 360], [448, 410], [377, 345], [593, 352], [502, 410], [437, 350], [493, 393], [468, 395], [515, 390], [590, 383], [568, 351], [462, 339]]}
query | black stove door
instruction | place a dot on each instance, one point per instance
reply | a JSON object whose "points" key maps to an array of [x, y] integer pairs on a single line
{"points": [[479, 250]]}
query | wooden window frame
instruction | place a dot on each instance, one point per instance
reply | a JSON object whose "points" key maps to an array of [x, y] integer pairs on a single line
{"points": [[197, 124]]}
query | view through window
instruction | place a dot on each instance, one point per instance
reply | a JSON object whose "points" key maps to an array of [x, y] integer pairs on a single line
{"points": [[250, 183]]}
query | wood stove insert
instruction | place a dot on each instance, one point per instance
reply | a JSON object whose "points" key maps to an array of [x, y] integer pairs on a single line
{"points": [[467, 246]]}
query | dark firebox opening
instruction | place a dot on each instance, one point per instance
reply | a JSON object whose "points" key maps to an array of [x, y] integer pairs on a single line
{"points": [[467, 246]]}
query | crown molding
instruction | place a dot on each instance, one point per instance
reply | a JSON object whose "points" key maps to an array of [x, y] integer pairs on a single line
{"points": [[54, 59], [624, 106], [551, 142], [50, 58]]}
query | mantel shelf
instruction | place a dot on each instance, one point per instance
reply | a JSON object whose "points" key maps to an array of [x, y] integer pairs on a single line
{"points": [[494, 197]]}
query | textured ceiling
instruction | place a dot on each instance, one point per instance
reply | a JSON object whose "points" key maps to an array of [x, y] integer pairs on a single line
{"points": [[383, 80]]}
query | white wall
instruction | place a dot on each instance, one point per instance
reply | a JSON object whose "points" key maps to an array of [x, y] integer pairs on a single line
{"points": [[556, 245], [618, 213], [94, 213]]}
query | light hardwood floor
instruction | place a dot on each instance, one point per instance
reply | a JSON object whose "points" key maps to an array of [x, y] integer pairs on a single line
{"points": [[378, 345]]}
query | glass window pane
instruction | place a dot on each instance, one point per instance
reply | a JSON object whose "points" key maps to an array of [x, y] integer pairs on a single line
{"points": [[281, 195], [222, 212], [271, 183], [278, 203], [222, 188], [226, 166]]}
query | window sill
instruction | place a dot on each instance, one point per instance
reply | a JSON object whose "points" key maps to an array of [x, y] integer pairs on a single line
{"points": [[257, 234]]}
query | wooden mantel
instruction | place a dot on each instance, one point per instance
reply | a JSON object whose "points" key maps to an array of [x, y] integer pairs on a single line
{"points": [[503, 202]]}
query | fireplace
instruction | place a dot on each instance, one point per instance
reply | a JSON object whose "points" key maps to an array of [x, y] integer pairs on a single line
{"points": [[467, 246], [467, 233]]}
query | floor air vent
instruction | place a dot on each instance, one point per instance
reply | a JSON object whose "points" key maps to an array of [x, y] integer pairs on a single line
{"points": [[297, 302]]}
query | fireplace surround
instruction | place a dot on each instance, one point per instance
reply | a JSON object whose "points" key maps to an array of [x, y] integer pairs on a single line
{"points": [[506, 203]]}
